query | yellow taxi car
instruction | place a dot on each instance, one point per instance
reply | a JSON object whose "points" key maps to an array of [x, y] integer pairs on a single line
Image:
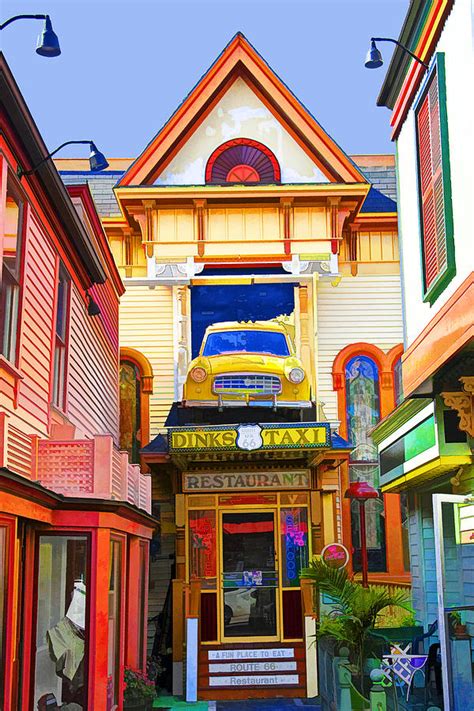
{"points": [[247, 363]]}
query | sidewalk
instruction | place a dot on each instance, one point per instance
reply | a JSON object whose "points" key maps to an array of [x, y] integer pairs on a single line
{"points": [[170, 702]]}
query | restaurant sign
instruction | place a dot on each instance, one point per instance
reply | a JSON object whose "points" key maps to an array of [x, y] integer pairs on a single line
{"points": [[309, 435], [208, 481]]}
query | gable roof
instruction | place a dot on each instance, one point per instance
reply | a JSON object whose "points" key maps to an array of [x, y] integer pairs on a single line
{"points": [[240, 59]]}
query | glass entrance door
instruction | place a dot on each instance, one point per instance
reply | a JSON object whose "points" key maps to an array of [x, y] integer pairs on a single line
{"points": [[249, 575]]}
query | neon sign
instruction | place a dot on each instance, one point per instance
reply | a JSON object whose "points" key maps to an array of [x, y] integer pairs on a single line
{"points": [[335, 555], [295, 539]]}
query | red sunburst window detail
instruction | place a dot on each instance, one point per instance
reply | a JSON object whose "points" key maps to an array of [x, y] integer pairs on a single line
{"points": [[243, 174], [242, 160]]}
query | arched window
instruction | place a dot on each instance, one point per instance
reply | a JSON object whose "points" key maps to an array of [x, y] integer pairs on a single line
{"points": [[242, 160], [363, 413], [363, 405], [364, 379], [130, 410], [136, 385]]}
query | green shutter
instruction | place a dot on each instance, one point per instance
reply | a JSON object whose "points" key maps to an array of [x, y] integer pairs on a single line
{"points": [[434, 181]]}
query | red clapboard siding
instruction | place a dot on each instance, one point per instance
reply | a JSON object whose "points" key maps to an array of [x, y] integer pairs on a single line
{"points": [[92, 387], [105, 297], [36, 322], [431, 182]]}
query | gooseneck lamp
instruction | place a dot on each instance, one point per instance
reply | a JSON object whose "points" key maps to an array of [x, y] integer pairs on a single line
{"points": [[97, 160], [48, 43], [374, 59]]}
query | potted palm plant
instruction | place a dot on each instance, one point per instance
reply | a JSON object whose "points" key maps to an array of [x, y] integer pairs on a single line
{"points": [[355, 613], [139, 690]]}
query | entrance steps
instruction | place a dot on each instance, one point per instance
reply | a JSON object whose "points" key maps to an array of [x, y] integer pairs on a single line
{"points": [[252, 671]]}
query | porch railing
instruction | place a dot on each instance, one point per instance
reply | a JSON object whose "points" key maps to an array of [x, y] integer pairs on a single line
{"points": [[86, 468]]}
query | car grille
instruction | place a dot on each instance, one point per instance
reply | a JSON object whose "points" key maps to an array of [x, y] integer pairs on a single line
{"points": [[247, 384]]}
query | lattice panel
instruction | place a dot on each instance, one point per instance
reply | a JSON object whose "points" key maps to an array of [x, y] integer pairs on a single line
{"points": [[19, 452], [67, 467]]}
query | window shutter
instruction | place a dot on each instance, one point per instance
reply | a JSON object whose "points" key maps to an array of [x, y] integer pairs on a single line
{"points": [[431, 183]]}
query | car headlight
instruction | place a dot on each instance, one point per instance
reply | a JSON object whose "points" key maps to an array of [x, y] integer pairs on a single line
{"points": [[296, 375], [198, 374]]}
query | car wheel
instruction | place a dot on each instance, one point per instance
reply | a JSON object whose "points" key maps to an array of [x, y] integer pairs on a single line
{"points": [[227, 614]]}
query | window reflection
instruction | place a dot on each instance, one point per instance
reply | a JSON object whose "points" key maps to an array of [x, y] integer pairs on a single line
{"points": [[11, 273], [249, 575], [130, 410], [114, 624], [61, 631], [3, 595]]}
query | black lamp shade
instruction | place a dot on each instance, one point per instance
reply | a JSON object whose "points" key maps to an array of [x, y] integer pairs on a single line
{"points": [[374, 58], [48, 43], [97, 160], [92, 308]]}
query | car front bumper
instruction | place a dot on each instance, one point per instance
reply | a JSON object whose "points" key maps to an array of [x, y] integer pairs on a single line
{"points": [[222, 402]]}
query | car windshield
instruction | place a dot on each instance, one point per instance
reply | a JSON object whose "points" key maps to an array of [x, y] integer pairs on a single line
{"points": [[269, 342]]}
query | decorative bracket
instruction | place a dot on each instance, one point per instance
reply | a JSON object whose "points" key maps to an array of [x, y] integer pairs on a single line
{"points": [[463, 402]]}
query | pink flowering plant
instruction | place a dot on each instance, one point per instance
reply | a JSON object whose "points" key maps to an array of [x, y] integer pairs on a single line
{"points": [[138, 685]]}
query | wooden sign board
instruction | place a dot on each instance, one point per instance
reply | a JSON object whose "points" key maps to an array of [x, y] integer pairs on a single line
{"points": [[215, 655], [251, 667], [270, 680], [310, 435], [248, 481]]}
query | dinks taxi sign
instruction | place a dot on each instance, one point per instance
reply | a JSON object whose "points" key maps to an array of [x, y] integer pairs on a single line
{"points": [[249, 438]]}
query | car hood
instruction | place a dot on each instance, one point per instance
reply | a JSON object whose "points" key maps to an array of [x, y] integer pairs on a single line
{"points": [[251, 362]]}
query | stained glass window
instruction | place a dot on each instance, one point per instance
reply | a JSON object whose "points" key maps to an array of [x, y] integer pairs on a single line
{"points": [[242, 160], [363, 408], [130, 421], [363, 413]]}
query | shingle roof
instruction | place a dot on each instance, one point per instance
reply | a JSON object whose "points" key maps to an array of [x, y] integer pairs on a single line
{"points": [[381, 198], [101, 186]]}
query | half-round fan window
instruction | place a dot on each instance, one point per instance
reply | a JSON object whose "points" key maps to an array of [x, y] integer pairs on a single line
{"points": [[242, 161]]}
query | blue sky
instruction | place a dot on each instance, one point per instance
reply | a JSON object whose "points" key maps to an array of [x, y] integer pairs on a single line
{"points": [[127, 64]]}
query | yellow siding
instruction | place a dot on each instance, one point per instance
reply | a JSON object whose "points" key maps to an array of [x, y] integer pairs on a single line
{"points": [[378, 246], [146, 323], [309, 223], [252, 224], [361, 308], [174, 225]]}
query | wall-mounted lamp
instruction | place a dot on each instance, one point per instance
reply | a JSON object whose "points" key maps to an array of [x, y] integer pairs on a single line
{"points": [[48, 43], [92, 308], [97, 160], [374, 59]]}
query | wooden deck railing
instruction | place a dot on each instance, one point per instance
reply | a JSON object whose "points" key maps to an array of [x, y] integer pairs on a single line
{"points": [[86, 468]]}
